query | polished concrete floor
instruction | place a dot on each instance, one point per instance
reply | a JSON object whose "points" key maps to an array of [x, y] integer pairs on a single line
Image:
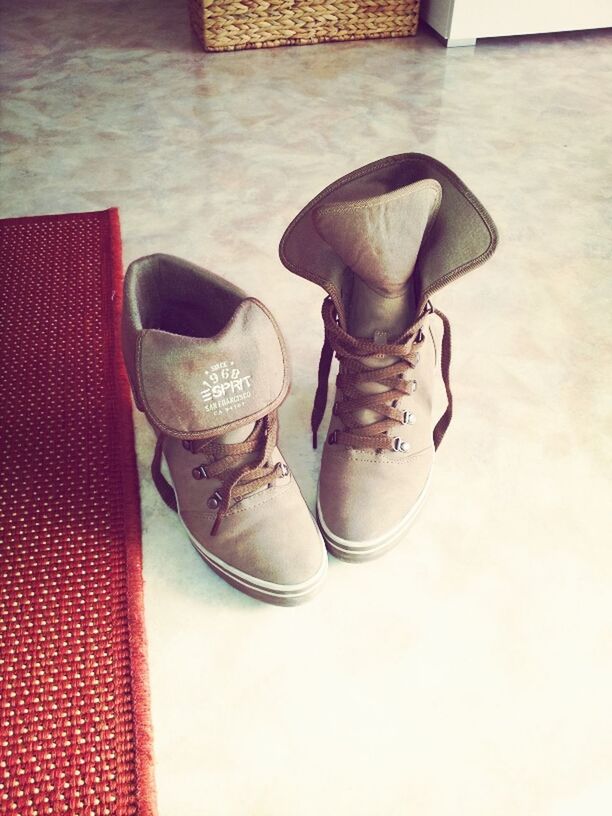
{"points": [[468, 672]]}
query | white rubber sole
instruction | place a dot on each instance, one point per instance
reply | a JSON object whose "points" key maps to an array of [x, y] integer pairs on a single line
{"points": [[357, 551], [267, 591]]}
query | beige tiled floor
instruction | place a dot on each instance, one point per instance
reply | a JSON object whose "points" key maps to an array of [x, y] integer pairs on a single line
{"points": [[469, 671]]}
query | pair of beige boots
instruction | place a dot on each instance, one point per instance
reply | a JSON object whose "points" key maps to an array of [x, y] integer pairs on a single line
{"points": [[209, 368]]}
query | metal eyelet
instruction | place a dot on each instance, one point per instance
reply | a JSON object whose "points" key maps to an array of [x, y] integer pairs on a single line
{"points": [[283, 469], [187, 444], [332, 438], [199, 473], [214, 501], [405, 377], [420, 337], [409, 418], [400, 445]]}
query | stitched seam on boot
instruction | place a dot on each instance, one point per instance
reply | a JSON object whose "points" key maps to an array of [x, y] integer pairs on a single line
{"points": [[266, 496], [391, 462], [433, 340]]}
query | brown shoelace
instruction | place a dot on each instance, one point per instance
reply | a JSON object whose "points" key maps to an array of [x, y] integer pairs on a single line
{"points": [[224, 462], [397, 376]]}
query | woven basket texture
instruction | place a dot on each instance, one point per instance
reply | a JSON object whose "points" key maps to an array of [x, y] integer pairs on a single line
{"points": [[232, 25]]}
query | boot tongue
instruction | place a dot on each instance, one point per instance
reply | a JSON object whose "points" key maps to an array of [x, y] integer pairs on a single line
{"points": [[197, 388], [379, 238], [462, 237]]}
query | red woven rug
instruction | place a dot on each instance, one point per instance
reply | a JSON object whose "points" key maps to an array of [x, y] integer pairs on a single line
{"points": [[74, 724]]}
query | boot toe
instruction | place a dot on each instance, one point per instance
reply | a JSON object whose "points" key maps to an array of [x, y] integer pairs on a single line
{"points": [[363, 507], [272, 550]]}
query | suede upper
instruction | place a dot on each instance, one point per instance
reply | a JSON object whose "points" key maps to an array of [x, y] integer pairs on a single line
{"points": [[380, 241], [208, 366], [193, 377], [191, 387], [364, 493], [269, 535], [461, 237], [379, 237]]}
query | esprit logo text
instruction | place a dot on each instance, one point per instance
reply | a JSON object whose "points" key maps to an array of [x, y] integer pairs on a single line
{"points": [[224, 387]]}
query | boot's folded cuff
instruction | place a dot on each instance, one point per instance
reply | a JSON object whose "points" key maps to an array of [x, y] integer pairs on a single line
{"points": [[195, 388], [460, 237]]}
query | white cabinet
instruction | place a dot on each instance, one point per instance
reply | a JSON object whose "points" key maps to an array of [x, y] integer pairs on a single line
{"points": [[462, 22]]}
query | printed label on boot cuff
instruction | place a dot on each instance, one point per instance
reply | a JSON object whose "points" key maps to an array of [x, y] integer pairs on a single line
{"points": [[225, 388]]}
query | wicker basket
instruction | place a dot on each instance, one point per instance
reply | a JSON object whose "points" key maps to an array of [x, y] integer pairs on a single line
{"points": [[230, 25]]}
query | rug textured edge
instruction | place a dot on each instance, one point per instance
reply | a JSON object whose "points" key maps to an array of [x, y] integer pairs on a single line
{"points": [[135, 580]]}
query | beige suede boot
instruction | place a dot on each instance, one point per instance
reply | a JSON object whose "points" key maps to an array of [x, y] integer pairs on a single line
{"points": [[381, 241], [208, 366]]}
